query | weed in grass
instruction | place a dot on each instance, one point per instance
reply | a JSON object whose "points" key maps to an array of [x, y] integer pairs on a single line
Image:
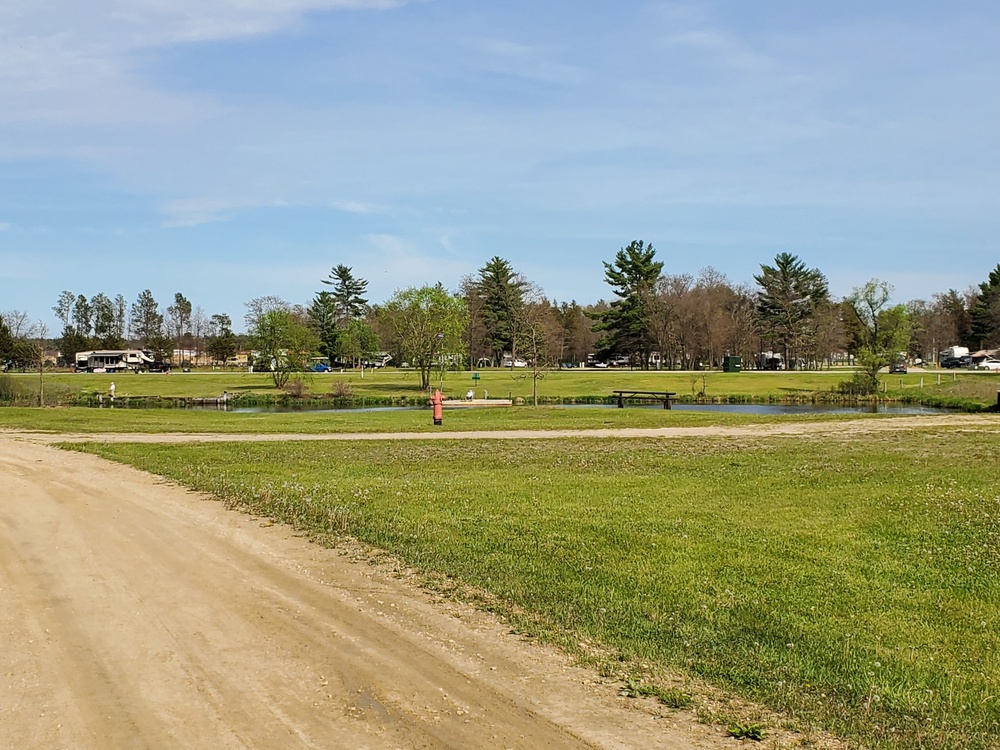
{"points": [[671, 698], [747, 731]]}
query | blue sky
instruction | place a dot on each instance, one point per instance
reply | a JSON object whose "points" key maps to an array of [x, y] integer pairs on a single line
{"points": [[229, 149]]}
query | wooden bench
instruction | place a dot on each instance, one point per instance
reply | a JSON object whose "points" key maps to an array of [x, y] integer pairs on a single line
{"points": [[664, 396]]}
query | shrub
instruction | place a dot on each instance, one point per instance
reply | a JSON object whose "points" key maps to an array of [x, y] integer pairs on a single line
{"points": [[296, 388], [342, 389], [862, 384]]}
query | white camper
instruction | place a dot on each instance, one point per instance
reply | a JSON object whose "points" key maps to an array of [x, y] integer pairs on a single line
{"points": [[112, 360]]}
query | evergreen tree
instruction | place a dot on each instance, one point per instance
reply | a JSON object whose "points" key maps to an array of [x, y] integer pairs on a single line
{"points": [[347, 295], [501, 309], [147, 321], [179, 315], [790, 296], [7, 346], [323, 320], [221, 339], [106, 335], [626, 323], [70, 343], [82, 317], [985, 312]]}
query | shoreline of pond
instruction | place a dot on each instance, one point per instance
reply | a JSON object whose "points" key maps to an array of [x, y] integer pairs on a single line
{"points": [[812, 403]]}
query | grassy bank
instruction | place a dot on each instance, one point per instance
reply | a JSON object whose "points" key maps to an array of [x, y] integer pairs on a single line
{"points": [[82, 419], [852, 583], [563, 384]]}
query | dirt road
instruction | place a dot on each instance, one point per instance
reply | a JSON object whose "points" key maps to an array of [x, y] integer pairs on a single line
{"points": [[140, 615]]}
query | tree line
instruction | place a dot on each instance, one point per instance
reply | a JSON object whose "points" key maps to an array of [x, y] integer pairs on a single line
{"points": [[496, 316]]}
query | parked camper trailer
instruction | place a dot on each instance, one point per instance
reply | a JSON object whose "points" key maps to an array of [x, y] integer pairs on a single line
{"points": [[112, 360]]}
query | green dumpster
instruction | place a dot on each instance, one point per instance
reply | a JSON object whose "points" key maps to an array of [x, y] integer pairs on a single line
{"points": [[732, 364]]}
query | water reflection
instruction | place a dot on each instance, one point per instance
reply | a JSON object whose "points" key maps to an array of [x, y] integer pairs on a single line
{"points": [[902, 409]]}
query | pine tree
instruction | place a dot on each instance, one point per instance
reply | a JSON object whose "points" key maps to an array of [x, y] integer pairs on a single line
{"points": [[790, 295], [626, 323], [501, 294], [985, 312], [347, 291], [147, 321]]}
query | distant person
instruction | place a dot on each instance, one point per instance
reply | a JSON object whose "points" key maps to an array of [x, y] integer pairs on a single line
{"points": [[470, 394], [111, 390]]}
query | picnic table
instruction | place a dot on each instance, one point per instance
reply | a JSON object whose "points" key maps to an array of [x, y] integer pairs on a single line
{"points": [[664, 396]]}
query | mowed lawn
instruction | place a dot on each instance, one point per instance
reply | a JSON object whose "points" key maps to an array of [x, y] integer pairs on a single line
{"points": [[501, 383], [852, 583]]}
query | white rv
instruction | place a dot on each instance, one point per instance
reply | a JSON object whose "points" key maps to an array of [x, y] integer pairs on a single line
{"points": [[112, 360]]}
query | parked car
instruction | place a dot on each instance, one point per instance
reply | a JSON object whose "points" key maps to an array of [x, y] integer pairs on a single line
{"points": [[516, 362], [989, 364], [158, 367], [899, 367], [953, 362]]}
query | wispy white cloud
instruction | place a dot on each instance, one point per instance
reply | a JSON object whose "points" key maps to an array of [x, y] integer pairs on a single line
{"points": [[522, 60], [189, 212], [721, 46], [353, 207], [72, 63]]}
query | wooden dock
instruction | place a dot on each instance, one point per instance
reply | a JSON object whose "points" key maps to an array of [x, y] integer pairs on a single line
{"points": [[472, 403]]}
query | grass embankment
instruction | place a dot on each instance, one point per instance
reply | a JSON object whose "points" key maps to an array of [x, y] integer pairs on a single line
{"points": [[114, 420], [849, 583]]}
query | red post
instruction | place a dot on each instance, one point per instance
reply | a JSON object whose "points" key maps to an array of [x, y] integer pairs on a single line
{"points": [[436, 401]]}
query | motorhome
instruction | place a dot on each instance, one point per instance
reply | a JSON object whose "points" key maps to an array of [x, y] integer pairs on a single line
{"points": [[112, 360]]}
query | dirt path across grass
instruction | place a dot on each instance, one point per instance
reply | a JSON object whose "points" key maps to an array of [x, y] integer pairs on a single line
{"points": [[140, 615], [843, 427], [136, 614]]}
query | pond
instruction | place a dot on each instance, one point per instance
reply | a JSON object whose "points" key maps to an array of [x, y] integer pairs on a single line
{"points": [[726, 408]]}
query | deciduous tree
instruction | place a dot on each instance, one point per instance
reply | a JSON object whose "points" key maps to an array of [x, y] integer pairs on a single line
{"points": [[421, 325], [284, 343], [64, 307], [881, 331]]}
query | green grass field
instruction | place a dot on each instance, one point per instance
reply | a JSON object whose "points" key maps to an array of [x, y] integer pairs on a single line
{"points": [[851, 583], [392, 383]]}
